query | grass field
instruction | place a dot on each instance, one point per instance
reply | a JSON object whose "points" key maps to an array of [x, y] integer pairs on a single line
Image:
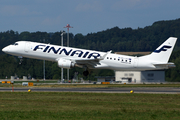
{"points": [[83, 106]]}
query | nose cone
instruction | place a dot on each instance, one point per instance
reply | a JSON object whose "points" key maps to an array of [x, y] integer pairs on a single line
{"points": [[5, 49]]}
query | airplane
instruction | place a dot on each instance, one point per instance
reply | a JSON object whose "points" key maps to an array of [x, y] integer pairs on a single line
{"points": [[68, 57]]}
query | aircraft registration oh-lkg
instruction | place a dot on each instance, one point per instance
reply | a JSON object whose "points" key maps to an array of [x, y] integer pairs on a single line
{"points": [[68, 57]]}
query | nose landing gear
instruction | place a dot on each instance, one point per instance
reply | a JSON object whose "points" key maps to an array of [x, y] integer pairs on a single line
{"points": [[20, 59]]}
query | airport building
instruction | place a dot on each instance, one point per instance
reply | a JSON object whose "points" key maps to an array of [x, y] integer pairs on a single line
{"points": [[139, 76], [134, 77]]}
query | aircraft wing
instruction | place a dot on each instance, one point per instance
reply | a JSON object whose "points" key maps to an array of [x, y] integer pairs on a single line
{"points": [[90, 63]]}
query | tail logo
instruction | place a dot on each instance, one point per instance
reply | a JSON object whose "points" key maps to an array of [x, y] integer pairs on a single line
{"points": [[163, 48]]}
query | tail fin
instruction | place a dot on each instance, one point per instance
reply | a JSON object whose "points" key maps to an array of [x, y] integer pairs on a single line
{"points": [[163, 52]]}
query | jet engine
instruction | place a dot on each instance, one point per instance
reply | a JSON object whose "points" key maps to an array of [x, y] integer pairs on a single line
{"points": [[63, 63]]}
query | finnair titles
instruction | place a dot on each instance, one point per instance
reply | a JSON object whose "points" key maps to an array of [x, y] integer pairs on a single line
{"points": [[70, 52]]}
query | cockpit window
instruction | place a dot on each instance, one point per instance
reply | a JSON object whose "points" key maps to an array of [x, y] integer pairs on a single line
{"points": [[15, 44]]}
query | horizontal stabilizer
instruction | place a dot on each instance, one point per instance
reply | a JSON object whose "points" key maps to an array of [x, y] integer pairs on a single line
{"points": [[166, 66]]}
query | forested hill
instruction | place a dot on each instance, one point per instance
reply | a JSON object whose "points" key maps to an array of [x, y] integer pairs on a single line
{"points": [[127, 39], [116, 39]]}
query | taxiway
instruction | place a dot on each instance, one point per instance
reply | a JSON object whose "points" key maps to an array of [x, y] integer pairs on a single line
{"points": [[165, 90]]}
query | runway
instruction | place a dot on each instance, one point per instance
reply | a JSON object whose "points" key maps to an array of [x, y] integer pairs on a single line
{"points": [[156, 90]]}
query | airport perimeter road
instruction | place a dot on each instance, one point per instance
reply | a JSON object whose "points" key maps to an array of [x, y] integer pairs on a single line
{"points": [[166, 90]]}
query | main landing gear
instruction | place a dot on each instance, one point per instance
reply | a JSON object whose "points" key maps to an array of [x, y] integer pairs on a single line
{"points": [[86, 73]]}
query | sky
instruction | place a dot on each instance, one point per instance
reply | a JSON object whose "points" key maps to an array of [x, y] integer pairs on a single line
{"points": [[85, 16]]}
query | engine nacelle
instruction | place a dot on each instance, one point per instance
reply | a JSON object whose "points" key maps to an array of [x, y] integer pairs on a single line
{"points": [[63, 63]]}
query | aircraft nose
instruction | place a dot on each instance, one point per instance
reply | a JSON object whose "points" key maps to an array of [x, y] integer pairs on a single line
{"points": [[5, 49]]}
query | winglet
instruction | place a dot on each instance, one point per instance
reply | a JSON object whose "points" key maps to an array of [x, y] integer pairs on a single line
{"points": [[102, 57]]}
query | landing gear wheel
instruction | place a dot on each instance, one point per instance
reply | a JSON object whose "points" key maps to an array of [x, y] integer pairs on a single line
{"points": [[86, 73]]}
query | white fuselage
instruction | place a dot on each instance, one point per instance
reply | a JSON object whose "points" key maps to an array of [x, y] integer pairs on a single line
{"points": [[79, 56]]}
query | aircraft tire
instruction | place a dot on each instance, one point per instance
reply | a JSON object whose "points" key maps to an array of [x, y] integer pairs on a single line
{"points": [[86, 73]]}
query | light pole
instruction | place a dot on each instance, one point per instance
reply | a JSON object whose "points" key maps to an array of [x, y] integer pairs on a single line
{"points": [[62, 45], [44, 66], [44, 69], [68, 26]]}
